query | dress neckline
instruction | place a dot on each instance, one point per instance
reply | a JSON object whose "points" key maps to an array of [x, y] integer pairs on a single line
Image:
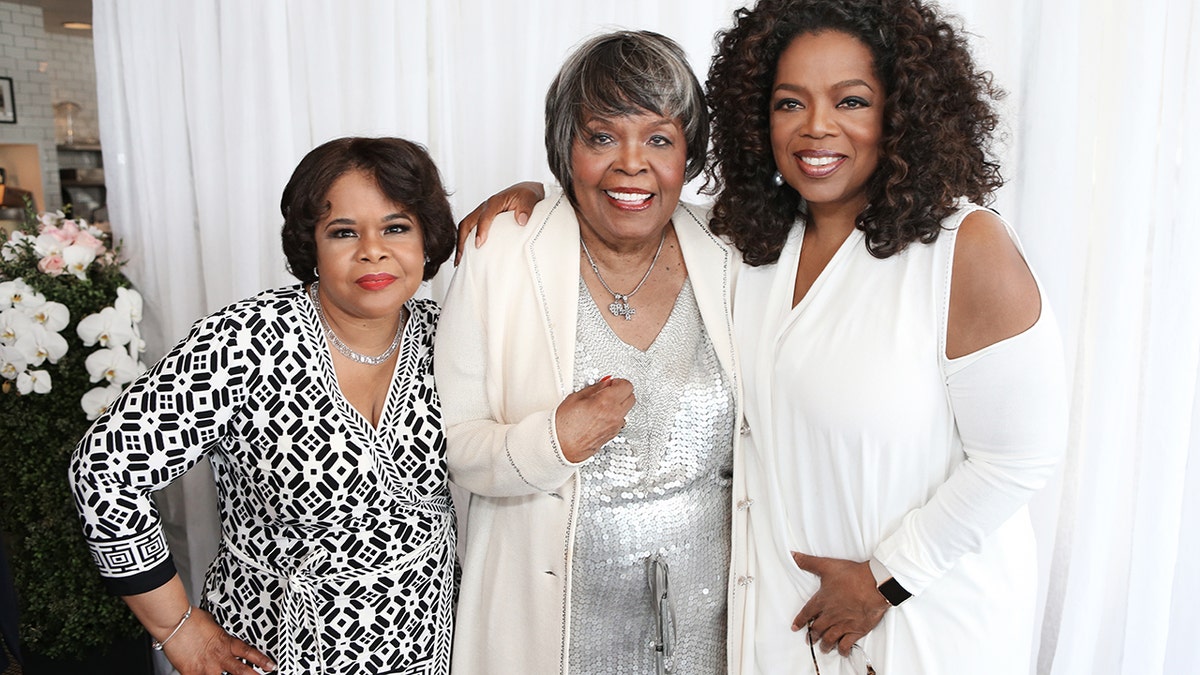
{"points": [[593, 310], [401, 371], [794, 249]]}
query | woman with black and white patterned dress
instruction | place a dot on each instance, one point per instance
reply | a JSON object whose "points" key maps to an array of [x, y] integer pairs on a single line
{"points": [[316, 406]]}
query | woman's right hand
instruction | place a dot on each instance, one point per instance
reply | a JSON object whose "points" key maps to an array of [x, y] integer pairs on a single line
{"points": [[202, 647], [521, 198], [592, 416]]}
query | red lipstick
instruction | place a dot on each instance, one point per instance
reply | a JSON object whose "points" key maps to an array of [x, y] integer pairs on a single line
{"points": [[375, 282]]}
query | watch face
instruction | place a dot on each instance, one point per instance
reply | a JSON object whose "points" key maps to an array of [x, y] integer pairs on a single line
{"points": [[893, 592]]}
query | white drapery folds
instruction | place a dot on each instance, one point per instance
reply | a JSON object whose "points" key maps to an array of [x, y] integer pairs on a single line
{"points": [[206, 106], [1107, 138]]}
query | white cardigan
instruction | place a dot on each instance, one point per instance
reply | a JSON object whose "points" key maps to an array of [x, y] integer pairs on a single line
{"points": [[504, 361]]}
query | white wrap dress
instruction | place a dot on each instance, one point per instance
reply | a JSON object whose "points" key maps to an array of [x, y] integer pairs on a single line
{"points": [[865, 440]]}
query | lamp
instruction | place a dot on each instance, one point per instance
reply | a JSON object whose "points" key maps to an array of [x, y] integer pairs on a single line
{"points": [[64, 118]]}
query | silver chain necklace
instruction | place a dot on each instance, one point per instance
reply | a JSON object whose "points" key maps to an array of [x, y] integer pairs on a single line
{"points": [[343, 348], [620, 304]]}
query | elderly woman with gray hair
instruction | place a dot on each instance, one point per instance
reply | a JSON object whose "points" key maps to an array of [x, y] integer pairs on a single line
{"points": [[590, 391]]}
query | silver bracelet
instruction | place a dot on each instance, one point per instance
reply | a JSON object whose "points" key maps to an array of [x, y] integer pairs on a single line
{"points": [[158, 646]]}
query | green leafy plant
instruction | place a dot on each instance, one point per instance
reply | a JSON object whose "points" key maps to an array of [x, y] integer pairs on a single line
{"points": [[53, 384]]}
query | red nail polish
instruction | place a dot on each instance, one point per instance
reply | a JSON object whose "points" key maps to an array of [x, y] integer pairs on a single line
{"points": [[606, 378]]}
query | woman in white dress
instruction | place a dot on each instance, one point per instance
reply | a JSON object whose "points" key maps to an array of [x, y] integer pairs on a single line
{"points": [[903, 372]]}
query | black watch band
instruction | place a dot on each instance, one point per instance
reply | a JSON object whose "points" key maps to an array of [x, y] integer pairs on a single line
{"points": [[893, 592]]}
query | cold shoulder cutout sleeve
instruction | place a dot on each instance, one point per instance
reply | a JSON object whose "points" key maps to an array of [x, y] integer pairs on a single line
{"points": [[993, 293], [1009, 404]]}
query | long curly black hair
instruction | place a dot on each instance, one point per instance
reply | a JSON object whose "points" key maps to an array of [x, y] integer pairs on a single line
{"points": [[939, 122]]}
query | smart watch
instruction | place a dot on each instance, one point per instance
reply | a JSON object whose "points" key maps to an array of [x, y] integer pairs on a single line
{"points": [[893, 592], [886, 584]]}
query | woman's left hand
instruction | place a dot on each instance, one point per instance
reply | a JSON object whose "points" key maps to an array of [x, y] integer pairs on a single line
{"points": [[845, 608]]}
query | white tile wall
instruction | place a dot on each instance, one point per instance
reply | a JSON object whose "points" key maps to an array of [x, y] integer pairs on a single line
{"points": [[45, 69], [23, 46], [72, 72]]}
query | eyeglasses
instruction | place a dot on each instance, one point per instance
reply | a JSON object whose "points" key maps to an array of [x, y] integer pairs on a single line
{"points": [[859, 661], [664, 613]]}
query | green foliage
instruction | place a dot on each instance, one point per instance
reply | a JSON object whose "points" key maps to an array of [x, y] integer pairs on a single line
{"points": [[65, 611]]}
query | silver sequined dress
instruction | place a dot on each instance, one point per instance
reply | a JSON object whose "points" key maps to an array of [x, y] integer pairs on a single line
{"points": [[662, 486]]}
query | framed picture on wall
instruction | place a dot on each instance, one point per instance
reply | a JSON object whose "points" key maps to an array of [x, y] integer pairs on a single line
{"points": [[8, 109]]}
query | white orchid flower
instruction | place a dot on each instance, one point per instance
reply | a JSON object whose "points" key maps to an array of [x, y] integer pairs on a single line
{"points": [[13, 323], [78, 259], [13, 293], [36, 381], [107, 327], [47, 245], [113, 365], [30, 301], [51, 219], [14, 246], [38, 344], [53, 315], [97, 400], [12, 362], [129, 303]]}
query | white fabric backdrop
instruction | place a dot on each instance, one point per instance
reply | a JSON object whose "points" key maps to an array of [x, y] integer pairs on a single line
{"points": [[206, 106]]}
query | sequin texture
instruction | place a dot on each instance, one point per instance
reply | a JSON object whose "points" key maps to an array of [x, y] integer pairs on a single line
{"points": [[663, 485]]}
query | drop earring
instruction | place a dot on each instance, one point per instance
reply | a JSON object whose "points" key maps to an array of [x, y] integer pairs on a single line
{"points": [[316, 274], [777, 179]]}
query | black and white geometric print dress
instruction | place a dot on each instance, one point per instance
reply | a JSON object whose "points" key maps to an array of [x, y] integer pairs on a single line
{"points": [[337, 548]]}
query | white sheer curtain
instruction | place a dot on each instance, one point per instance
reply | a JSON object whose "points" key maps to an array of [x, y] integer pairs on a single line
{"points": [[1111, 96], [207, 105]]}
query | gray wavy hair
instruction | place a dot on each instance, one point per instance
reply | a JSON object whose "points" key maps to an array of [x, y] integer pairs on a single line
{"points": [[618, 74]]}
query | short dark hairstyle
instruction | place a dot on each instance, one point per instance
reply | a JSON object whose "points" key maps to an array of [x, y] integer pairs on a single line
{"points": [[405, 174], [938, 122], [624, 73]]}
